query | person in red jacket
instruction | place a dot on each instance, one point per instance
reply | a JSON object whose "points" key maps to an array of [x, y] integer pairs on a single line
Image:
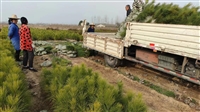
{"points": [[26, 45]]}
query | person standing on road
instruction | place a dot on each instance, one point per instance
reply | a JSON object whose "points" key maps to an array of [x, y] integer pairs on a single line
{"points": [[26, 45], [13, 34], [128, 10], [91, 28]]}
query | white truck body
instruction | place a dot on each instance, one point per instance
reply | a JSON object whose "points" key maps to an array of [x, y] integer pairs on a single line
{"points": [[181, 40], [154, 45], [176, 39]]}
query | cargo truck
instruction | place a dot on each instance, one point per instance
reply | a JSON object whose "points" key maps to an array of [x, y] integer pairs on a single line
{"points": [[173, 49]]}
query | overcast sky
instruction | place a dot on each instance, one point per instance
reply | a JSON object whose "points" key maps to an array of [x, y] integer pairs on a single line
{"points": [[70, 11]]}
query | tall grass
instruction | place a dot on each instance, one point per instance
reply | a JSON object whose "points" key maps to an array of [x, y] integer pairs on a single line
{"points": [[13, 87]]}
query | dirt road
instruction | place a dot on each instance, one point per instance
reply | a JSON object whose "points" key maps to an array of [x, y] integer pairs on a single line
{"points": [[155, 101]]}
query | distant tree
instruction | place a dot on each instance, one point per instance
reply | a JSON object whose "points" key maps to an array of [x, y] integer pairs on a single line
{"points": [[87, 23], [117, 19], [118, 24], [95, 19], [99, 19], [106, 19], [111, 21]]}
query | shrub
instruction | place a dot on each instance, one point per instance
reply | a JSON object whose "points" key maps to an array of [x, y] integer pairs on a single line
{"points": [[81, 52], [13, 87], [48, 49], [170, 14], [79, 89], [43, 34]]}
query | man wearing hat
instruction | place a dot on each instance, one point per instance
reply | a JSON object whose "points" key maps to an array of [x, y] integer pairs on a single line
{"points": [[13, 34], [91, 28]]}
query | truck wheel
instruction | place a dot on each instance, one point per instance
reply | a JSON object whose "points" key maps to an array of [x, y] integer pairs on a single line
{"points": [[93, 52], [112, 61]]}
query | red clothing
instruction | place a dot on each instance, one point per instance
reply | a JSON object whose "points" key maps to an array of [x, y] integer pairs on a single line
{"points": [[25, 38]]}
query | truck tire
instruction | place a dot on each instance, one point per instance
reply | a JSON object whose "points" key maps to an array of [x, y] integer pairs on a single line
{"points": [[112, 61], [93, 52]]}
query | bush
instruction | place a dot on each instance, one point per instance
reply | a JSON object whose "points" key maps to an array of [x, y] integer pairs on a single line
{"points": [[43, 34], [81, 52], [48, 49], [79, 89], [170, 14], [13, 88]]}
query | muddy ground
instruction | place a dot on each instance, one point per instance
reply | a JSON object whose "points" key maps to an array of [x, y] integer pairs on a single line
{"points": [[155, 101]]}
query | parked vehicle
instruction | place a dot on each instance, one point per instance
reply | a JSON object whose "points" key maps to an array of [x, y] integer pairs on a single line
{"points": [[173, 49]]}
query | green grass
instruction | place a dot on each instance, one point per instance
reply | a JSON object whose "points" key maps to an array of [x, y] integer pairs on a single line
{"points": [[152, 86], [156, 88], [60, 61], [161, 90]]}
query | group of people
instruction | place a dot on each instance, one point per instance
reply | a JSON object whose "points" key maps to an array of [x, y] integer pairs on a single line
{"points": [[22, 41], [92, 26]]}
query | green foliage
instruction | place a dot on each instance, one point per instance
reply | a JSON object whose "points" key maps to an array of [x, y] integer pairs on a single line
{"points": [[123, 34], [81, 52], [162, 91], [60, 61], [13, 89], [43, 34], [48, 49], [4, 33], [170, 14], [79, 89], [105, 30]]}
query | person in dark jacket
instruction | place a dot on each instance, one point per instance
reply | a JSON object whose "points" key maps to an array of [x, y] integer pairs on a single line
{"points": [[26, 45], [13, 34], [9, 21], [91, 28], [128, 10]]}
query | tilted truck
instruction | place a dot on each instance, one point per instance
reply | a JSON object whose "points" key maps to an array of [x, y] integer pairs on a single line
{"points": [[173, 49]]}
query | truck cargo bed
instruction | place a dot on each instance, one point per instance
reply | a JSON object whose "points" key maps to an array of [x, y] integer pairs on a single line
{"points": [[183, 40], [105, 43]]}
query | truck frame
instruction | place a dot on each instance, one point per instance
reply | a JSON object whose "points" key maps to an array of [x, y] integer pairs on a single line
{"points": [[173, 49]]}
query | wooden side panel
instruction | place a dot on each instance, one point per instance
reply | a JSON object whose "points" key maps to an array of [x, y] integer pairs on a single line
{"points": [[147, 56]]}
